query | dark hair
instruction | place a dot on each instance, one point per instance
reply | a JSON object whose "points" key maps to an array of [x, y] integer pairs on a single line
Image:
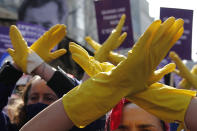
{"points": [[66, 62], [20, 116], [38, 3], [163, 125]]}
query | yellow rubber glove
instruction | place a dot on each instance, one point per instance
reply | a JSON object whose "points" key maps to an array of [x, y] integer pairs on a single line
{"points": [[113, 57], [189, 78], [93, 67], [23, 56], [87, 62], [48, 41], [114, 41], [104, 90], [165, 102], [116, 58]]}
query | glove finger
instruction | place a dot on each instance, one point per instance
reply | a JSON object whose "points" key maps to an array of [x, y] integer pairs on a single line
{"points": [[111, 42], [184, 71], [148, 33], [92, 43], [169, 37], [49, 33], [57, 53], [160, 73], [177, 72], [122, 37], [77, 49], [116, 58], [106, 66], [81, 57], [80, 60], [57, 36], [121, 23], [84, 63], [11, 52], [182, 68], [177, 36], [120, 40], [194, 70], [17, 39], [184, 84], [45, 39], [54, 28], [163, 28], [172, 35]]}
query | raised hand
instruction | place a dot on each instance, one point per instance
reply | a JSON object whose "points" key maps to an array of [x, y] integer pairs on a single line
{"points": [[48, 41], [113, 41], [189, 78], [25, 58]]}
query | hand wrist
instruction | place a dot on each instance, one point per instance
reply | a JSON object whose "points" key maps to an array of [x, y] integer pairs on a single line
{"points": [[45, 71]]}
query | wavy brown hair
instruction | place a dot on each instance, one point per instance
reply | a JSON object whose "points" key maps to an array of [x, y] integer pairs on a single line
{"points": [[20, 116]]}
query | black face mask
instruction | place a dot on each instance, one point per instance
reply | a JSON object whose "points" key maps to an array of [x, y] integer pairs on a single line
{"points": [[33, 109]]}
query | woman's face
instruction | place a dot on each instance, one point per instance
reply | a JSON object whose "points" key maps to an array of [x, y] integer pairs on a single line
{"points": [[40, 93], [135, 118]]}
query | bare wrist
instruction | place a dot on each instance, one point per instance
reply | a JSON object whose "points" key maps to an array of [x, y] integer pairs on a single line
{"points": [[45, 71]]}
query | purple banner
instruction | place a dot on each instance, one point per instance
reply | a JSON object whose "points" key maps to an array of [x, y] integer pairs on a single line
{"points": [[5, 42], [184, 44], [108, 14], [30, 33]]}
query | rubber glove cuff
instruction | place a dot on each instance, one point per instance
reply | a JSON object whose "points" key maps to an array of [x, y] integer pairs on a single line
{"points": [[33, 61]]}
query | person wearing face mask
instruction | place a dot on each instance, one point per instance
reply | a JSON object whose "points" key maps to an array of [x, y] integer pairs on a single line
{"points": [[39, 93], [36, 96]]}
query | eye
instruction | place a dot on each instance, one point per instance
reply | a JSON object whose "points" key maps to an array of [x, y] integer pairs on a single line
{"points": [[123, 128], [145, 130], [50, 98], [33, 98]]}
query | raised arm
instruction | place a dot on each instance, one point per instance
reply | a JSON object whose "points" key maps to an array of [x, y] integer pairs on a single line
{"points": [[53, 118], [191, 115], [104, 90]]}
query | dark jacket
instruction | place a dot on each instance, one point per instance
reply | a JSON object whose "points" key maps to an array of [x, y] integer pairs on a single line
{"points": [[60, 83]]}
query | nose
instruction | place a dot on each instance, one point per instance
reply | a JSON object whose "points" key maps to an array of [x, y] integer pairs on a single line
{"points": [[41, 100]]}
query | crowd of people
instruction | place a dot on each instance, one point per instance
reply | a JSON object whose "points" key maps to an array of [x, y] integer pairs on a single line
{"points": [[116, 93]]}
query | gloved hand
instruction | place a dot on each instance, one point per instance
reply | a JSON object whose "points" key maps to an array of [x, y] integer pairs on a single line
{"points": [[113, 57], [114, 41], [116, 58], [104, 90], [169, 23], [93, 67], [48, 41], [189, 78], [165, 102], [24, 57], [87, 62]]}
